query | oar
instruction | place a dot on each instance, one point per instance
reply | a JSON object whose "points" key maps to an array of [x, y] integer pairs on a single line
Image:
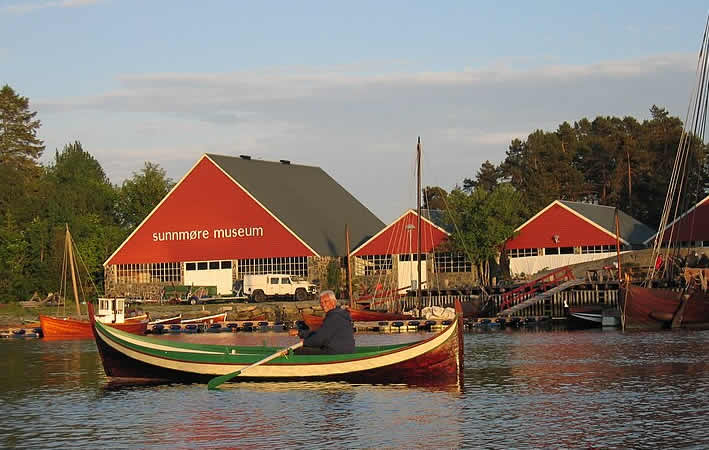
{"points": [[216, 381]]}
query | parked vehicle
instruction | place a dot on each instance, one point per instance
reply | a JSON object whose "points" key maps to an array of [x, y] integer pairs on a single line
{"points": [[259, 288]]}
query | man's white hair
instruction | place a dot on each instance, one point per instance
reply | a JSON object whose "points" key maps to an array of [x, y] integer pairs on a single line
{"points": [[329, 294]]}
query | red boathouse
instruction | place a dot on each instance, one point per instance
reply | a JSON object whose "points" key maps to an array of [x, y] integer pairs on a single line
{"points": [[390, 258], [230, 216], [567, 232]]}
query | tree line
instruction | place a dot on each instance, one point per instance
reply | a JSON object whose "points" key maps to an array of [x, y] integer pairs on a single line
{"points": [[37, 202], [612, 161]]}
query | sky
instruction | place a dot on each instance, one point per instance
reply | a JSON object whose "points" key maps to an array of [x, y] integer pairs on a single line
{"points": [[346, 86]]}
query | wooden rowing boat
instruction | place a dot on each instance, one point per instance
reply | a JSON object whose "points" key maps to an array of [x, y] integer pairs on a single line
{"points": [[139, 318], [437, 360], [167, 320], [207, 320]]}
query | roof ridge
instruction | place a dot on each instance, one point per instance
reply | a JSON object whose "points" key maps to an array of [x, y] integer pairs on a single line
{"points": [[586, 203], [280, 162]]}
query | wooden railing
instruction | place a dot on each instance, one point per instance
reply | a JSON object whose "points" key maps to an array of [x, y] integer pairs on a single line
{"points": [[541, 284]]}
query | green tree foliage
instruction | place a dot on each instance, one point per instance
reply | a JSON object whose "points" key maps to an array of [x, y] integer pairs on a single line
{"points": [[611, 161], [434, 197], [19, 145], [483, 221], [486, 178], [20, 150], [141, 193]]}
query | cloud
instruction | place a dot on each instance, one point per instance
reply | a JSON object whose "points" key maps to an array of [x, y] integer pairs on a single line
{"points": [[357, 123], [27, 7]]}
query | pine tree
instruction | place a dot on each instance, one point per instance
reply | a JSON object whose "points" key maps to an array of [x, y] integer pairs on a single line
{"points": [[19, 146]]}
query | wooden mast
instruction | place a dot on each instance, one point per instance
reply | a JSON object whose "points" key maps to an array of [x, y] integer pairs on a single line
{"points": [[349, 260], [70, 250], [418, 213], [617, 244]]}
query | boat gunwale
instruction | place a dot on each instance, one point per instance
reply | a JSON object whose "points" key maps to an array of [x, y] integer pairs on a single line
{"points": [[114, 335]]}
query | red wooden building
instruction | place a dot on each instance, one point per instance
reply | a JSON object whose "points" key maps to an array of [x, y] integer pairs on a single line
{"points": [[690, 230], [392, 254], [230, 216], [567, 232]]}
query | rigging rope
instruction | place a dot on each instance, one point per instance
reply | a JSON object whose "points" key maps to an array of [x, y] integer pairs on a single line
{"points": [[694, 128]]}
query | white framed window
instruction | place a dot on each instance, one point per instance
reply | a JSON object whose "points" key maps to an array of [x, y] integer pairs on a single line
{"points": [[149, 273], [292, 265], [447, 262], [521, 252], [597, 248]]}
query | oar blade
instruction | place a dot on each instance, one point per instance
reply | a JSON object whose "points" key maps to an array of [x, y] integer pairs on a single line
{"points": [[217, 381]]}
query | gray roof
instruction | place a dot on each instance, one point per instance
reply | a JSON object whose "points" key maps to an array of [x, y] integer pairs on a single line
{"points": [[307, 200], [631, 230]]}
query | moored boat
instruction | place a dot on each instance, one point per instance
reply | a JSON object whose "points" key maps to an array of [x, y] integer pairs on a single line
{"points": [[111, 312], [67, 327], [358, 315], [167, 320], [645, 308], [585, 316], [433, 361], [207, 320], [674, 293]]}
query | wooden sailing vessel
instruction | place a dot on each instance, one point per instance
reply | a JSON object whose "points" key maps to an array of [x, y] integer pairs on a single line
{"points": [[686, 304], [437, 360], [111, 311]]}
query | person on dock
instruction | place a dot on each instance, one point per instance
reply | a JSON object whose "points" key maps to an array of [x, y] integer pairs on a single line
{"points": [[335, 336]]}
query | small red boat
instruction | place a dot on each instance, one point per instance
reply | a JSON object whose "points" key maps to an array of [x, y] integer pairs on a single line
{"points": [[66, 327], [111, 311]]}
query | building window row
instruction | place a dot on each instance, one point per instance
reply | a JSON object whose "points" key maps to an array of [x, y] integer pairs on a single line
{"points": [[294, 265], [598, 248], [559, 251], [521, 252], [208, 265], [448, 262], [149, 273]]}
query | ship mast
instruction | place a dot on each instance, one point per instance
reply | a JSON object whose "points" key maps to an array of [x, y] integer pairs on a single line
{"points": [[70, 250], [418, 226]]}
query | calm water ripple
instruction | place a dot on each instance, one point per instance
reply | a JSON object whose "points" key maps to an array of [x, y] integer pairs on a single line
{"points": [[522, 389]]}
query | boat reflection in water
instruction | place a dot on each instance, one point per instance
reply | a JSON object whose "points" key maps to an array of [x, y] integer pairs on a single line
{"points": [[342, 414]]}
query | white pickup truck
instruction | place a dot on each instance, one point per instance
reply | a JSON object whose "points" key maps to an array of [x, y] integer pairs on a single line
{"points": [[261, 287]]}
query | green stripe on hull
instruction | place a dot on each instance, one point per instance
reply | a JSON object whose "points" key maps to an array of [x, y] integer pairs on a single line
{"points": [[227, 354]]}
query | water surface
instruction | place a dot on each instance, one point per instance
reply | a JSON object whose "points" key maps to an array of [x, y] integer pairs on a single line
{"points": [[521, 389]]}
